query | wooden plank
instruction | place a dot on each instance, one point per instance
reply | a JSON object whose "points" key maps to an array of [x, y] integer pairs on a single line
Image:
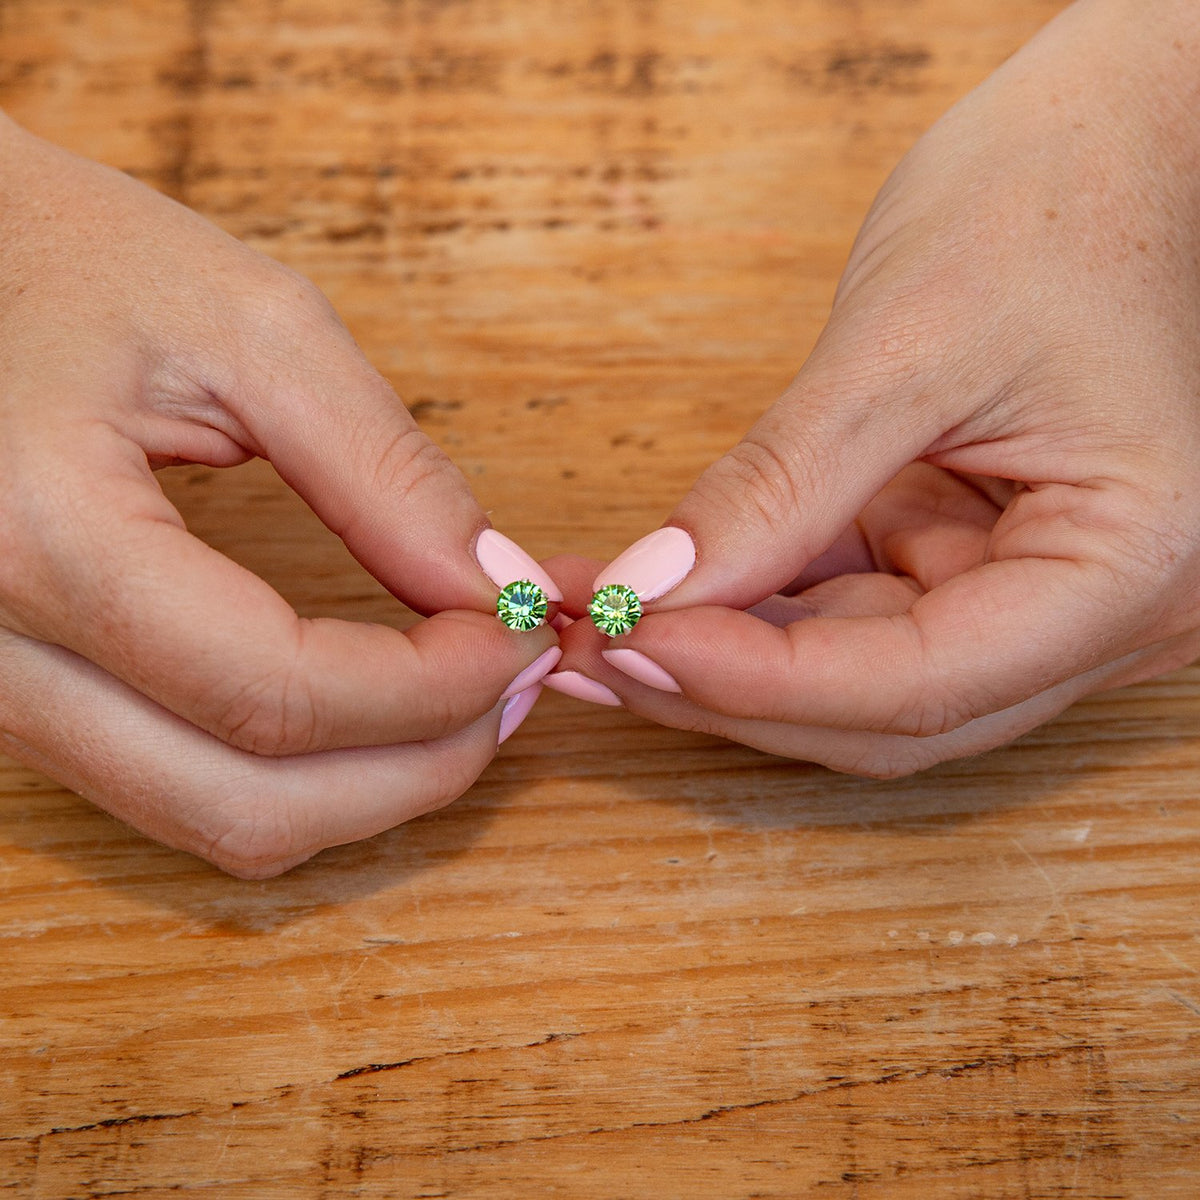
{"points": [[588, 241]]}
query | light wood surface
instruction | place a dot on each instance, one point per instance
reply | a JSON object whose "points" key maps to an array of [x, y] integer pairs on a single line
{"points": [[588, 240]]}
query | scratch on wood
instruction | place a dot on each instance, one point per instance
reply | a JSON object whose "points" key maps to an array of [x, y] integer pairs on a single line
{"points": [[1187, 1003]]}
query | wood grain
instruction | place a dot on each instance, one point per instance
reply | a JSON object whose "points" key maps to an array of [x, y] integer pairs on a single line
{"points": [[588, 241]]}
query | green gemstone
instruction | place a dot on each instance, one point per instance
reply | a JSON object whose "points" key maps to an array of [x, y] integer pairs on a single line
{"points": [[615, 609], [521, 605]]}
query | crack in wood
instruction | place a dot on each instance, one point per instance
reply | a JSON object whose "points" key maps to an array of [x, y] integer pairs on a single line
{"points": [[377, 1068], [115, 1122]]}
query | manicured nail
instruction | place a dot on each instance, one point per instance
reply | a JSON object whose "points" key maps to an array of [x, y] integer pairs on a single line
{"points": [[542, 665], [503, 561], [652, 566], [637, 666], [575, 683], [516, 710]]}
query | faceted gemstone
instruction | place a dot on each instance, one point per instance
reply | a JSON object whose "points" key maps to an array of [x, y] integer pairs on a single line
{"points": [[521, 605], [615, 609]]}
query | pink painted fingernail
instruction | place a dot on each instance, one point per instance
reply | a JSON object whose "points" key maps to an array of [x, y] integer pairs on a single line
{"points": [[637, 666], [542, 665], [504, 562], [575, 683], [516, 710], [652, 566]]}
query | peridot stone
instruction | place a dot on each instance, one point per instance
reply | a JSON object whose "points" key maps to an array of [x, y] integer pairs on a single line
{"points": [[615, 609], [521, 605]]}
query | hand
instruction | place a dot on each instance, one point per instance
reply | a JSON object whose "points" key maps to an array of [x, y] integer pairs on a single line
{"points": [[980, 498], [138, 665]]}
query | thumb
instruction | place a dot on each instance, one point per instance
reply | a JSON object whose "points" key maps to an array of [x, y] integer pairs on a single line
{"points": [[784, 494], [340, 437]]}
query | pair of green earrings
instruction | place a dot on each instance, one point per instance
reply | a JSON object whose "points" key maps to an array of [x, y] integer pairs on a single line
{"points": [[615, 609]]}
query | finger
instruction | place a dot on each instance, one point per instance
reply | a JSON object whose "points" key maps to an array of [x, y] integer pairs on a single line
{"points": [[1059, 596], [980, 643], [111, 574], [929, 524], [251, 816], [879, 755], [870, 593], [874, 593], [338, 434], [845, 595], [926, 523], [890, 756]]}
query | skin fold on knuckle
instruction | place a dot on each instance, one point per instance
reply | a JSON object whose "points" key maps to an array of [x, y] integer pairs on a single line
{"points": [[274, 715], [254, 838], [929, 699], [761, 475], [926, 715], [819, 685], [890, 758], [443, 714], [404, 463]]}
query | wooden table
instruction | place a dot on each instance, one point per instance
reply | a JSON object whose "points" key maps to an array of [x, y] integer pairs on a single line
{"points": [[588, 240]]}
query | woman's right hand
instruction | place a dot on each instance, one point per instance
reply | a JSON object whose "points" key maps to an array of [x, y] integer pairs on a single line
{"points": [[139, 666]]}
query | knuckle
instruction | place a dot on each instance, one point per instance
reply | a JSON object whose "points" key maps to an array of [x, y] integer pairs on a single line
{"points": [[284, 295], [928, 716], [761, 475], [397, 463], [893, 760], [404, 461], [931, 702], [273, 716], [256, 841], [285, 314]]}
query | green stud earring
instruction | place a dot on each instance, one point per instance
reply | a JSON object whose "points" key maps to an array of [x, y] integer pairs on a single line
{"points": [[521, 605], [615, 609]]}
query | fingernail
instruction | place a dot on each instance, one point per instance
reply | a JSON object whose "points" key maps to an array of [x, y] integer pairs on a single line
{"points": [[637, 666], [653, 565], [516, 710], [503, 562], [542, 665], [575, 683]]}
